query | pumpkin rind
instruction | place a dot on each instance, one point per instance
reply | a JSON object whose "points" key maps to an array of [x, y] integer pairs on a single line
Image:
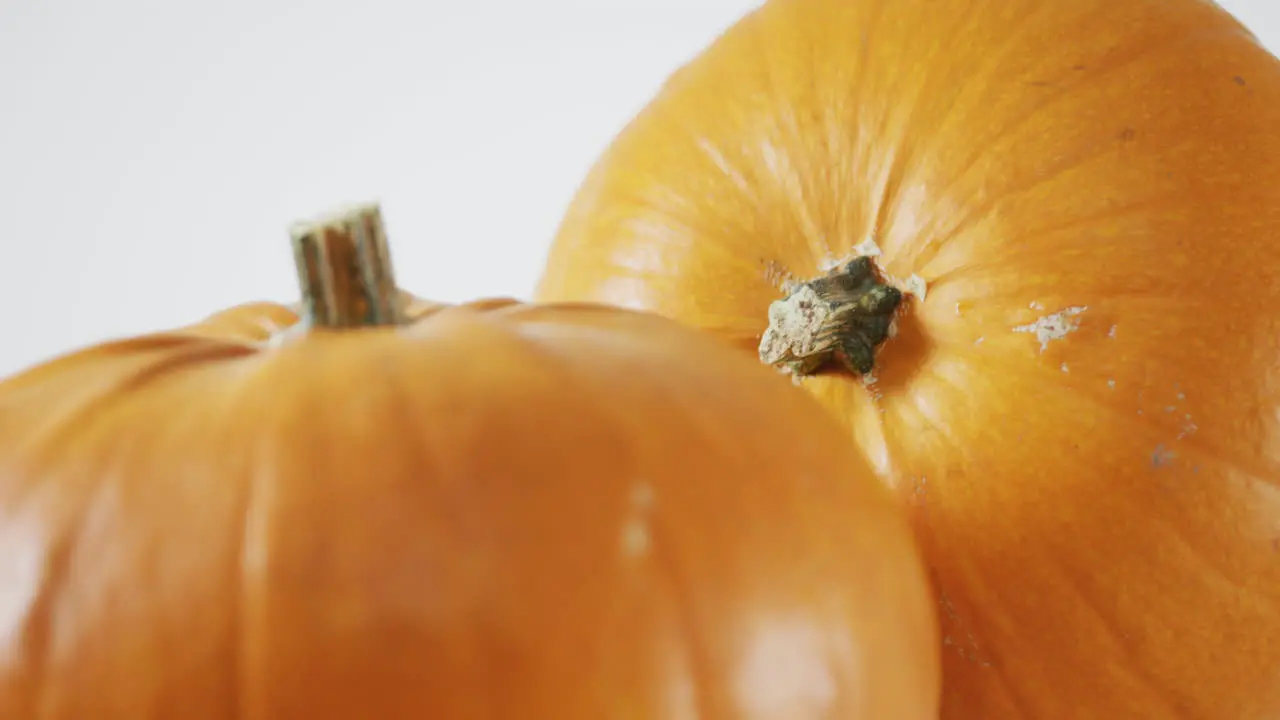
{"points": [[1081, 403], [496, 510]]}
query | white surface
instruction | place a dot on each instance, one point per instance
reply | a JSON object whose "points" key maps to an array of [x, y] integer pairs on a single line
{"points": [[153, 152]]}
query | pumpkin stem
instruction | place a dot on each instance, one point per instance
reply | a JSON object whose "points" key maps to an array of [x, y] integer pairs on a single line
{"points": [[345, 272], [842, 316]]}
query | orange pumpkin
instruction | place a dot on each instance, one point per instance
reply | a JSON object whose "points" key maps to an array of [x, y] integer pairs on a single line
{"points": [[494, 510], [1026, 251]]}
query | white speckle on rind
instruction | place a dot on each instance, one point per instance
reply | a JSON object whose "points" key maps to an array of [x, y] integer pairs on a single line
{"points": [[1065, 368], [635, 530], [779, 277], [967, 647], [1111, 384], [635, 537], [920, 492], [1188, 428], [1054, 326], [1111, 332], [642, 496], [979, 340], [867, 248], [915, 285]]}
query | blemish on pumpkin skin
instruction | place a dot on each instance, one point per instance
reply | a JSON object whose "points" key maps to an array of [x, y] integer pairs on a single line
{"points": [[635, 538], [869, 381], [642, 496], [635, 530], [829, 263], [915, 285], [1188, 427], [866, 248], [919, 498], [1054, 326], [920, 488], [968, 649], [1162, 457], [779, 277]]}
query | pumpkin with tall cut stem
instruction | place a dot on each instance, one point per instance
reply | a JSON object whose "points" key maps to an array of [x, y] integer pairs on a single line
{"points": [[396, 509]]}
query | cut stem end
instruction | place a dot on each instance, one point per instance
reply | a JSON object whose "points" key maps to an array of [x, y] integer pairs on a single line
{"points": [[345, 272], [842, 317]]}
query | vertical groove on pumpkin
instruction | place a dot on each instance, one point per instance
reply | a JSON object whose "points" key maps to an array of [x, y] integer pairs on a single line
{"points": [[344, 270]]}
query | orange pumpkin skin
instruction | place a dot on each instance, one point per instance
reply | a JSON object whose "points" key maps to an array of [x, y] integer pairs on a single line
{"points": [[496, 511], [1098, 499]]}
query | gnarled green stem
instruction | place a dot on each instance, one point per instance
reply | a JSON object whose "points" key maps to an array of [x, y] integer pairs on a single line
{"points": [[843, 316]]}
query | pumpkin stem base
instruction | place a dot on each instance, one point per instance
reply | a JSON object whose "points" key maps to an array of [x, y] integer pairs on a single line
{"points": [[345, 272], [842, 317]]}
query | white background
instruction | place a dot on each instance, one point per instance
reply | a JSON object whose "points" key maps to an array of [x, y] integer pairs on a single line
{"points": [[153, 152]]}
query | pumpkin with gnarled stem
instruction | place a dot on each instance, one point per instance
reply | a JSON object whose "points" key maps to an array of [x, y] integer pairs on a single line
{"points": [[493, 510], [1028, 252]]}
